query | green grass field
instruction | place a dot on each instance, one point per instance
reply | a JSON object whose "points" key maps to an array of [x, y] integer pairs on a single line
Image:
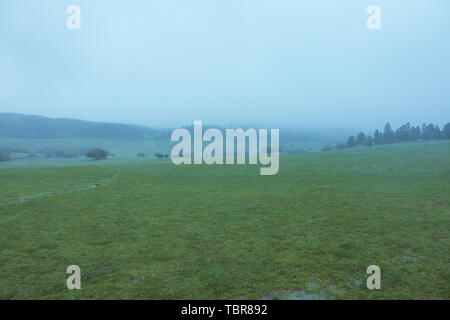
{"points": [[122, 149], [152, 230]]}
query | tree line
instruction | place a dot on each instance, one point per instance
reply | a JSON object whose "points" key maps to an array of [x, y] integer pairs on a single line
{"points": [[404, 133], [21, 126]]}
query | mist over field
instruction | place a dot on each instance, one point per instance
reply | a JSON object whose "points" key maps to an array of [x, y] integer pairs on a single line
{"points": [[295, 64]]}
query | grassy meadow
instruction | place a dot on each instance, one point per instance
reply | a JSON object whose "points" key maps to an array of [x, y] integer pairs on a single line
{"points": [[121, 149], [147, 229]]}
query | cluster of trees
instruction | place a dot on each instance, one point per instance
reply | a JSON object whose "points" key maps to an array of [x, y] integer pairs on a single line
{"points": [[97, 154], [5, 153], [404, 133], [157, 155], [6, 156]]}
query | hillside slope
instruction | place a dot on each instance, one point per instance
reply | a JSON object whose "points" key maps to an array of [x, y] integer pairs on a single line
{"points": [[14, 125]]}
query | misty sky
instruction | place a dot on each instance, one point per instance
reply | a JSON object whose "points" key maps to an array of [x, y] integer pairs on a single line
{"points": [[277, 62]]}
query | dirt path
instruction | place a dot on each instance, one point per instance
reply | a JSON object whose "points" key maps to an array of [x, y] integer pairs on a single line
{"points": [[112, 176]]}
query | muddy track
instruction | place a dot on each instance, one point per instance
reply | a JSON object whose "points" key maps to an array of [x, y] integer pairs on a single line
{"points": [[113, 174]]}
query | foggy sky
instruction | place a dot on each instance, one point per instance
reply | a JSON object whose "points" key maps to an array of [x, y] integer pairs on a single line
{"points": [[283, 62]]}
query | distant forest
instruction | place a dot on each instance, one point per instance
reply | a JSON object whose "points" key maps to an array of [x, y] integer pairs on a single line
{"points": [[14, 125], [404, 133]]}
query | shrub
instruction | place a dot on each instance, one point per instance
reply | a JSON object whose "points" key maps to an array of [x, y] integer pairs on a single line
{"points": [[340, 146]]}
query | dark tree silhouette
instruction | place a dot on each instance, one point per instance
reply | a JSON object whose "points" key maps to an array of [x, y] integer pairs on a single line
{"points": [[446, 131], [377, 137], [388, 135], [404, 133], [430, 132], [340, 146], [351, 141], [360, 138], [416, 133], [97, 154]]}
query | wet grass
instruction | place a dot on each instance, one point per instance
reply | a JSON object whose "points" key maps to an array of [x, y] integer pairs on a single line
{"points": [[201, 232]]}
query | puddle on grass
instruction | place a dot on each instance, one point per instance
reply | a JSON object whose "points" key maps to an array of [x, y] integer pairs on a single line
{"points": [[410, 258], [270, 296], [329, 292], [297, 295], [354, 283], [303, 295]]}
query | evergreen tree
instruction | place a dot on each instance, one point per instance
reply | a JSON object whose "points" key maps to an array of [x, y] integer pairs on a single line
{"points": [[360, 138], [416, 133], [437, 133], [446, 131], [428, 131], [388, 135], [377, 137], [403, 133]]}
